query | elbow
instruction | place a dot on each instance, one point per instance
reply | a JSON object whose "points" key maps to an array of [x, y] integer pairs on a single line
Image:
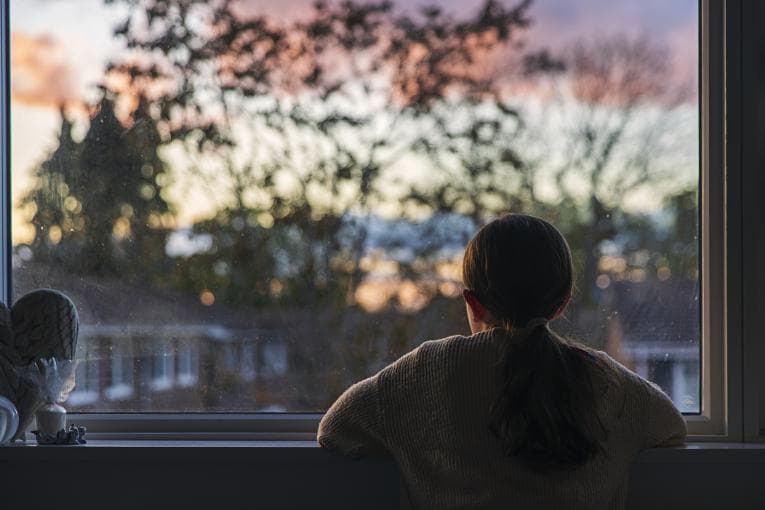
{"points": [[677, 437]]}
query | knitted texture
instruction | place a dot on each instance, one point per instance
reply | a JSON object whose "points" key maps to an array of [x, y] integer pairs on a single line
{"points": [[430, 412]]}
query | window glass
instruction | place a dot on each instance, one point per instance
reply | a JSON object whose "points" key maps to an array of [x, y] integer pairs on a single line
{"points": [[120, 361], [87, 390], [256, 203], [188, 364]]}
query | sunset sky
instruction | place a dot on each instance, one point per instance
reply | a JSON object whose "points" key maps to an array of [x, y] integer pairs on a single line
{"points": [[59, 48]]}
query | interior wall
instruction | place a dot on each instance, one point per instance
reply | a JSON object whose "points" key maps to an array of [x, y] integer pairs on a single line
{"points": [[274, 476]]}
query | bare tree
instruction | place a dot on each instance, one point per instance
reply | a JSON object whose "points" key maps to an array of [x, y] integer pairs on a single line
{"points": [[300, 121], [590, 130], [622, 132]]}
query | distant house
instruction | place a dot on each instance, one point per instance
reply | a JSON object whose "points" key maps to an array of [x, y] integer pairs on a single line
{"points": [[654, 328], [143, 349]]}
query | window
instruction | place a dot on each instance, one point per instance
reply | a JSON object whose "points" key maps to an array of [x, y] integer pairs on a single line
{"points": [[268, 223], [87, 390], [122, 367], [188, 364], [274, 354], [249, 361], [162, 366]]}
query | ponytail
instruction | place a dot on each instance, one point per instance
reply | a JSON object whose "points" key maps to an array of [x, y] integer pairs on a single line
{"points": [[519, 267], [545, 414]]}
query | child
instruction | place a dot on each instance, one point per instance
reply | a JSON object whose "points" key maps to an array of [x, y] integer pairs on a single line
{"points": [[514, 416]]}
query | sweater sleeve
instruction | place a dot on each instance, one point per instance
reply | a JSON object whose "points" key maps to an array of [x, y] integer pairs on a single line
{"points": [[352, 426], [666, 426]]}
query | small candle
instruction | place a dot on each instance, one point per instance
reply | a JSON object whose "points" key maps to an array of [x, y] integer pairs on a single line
{"points": [[51, 418]]}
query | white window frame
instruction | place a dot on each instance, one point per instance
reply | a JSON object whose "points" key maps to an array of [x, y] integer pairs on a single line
{"points": [[727, 159], [713, 422]]}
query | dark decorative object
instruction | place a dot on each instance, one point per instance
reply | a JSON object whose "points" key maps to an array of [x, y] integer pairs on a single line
{"points": [[74, 435], [41, 324]]}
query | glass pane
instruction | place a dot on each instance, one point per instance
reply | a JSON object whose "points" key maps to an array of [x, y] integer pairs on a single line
{"points": [[254, 203]]}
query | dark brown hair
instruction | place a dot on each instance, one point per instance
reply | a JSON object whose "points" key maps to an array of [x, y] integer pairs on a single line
{"points": [[520, 269]]}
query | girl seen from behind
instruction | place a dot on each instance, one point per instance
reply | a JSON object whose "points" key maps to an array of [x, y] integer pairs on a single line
{"points": [[513, 416]]}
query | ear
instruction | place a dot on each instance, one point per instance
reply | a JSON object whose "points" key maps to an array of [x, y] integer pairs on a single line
{"points": [[480, 313]]}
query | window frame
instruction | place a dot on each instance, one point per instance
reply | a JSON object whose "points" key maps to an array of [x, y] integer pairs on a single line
{"points": [[752, 125], [5, 153], [723, 39], [720, 223]]}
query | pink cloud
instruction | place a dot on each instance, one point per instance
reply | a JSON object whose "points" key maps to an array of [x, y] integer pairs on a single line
{"points": [[40, 72]]}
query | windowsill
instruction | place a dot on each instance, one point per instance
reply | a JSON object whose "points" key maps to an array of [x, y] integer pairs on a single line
{"points": [[196, 475], [139, 443], [298, 474], [705, 452], [692, 452]]}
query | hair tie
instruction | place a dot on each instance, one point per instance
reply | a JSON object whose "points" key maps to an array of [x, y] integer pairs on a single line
{"points": [[538, 321]]}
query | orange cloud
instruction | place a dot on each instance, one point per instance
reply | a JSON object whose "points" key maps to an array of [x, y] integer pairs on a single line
{"points": [[40, 73]]}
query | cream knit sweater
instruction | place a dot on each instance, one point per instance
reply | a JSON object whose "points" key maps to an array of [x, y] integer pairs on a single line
{"points": [[430, 411]]}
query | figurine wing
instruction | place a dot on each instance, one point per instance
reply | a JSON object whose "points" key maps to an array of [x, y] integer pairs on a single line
{"points": [[45, 325]]}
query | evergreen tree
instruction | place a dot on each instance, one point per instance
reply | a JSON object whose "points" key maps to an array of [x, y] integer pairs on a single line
{"points": [[57, 219], [101, 182], [99, 206], [143, 207]]}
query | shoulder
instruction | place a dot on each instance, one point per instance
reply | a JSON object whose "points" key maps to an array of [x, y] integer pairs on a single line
{"points": [[434, 357], [636, 393], [433, 349], [478, 342], [428, 358], [628, 377], [619, 372], [660, 423], [423, 354]]}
